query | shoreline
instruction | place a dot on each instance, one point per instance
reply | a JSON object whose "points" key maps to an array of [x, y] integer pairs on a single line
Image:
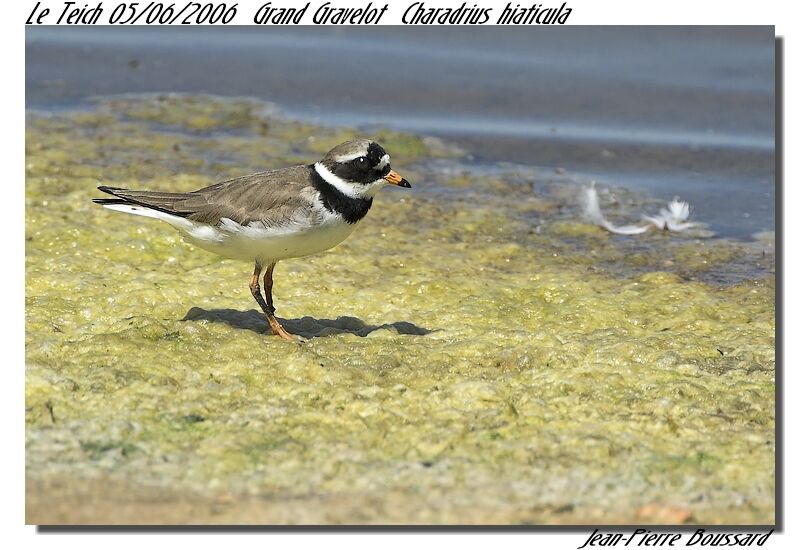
{"points": [[591, 100], [613, 166]]}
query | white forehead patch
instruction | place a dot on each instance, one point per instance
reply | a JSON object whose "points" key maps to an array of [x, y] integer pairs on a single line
{"points": [[382, 164]]}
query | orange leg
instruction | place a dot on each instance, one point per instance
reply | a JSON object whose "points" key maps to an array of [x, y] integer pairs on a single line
{"points": [[266, 306]]}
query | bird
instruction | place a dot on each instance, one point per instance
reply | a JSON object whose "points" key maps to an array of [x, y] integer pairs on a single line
{"points": [[270, 216]]}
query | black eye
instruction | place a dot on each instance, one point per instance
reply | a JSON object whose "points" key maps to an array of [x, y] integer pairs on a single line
{"points": [[362, 163]]}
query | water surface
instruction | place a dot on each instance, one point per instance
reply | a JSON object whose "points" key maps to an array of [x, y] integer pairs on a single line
{"points": [[670, 110]]}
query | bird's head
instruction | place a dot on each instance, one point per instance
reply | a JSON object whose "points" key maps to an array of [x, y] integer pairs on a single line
{"points": [[359, 168]]}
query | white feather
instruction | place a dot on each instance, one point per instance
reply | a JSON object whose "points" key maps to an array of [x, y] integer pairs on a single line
{"points": [[673, 217], [592, 213]]}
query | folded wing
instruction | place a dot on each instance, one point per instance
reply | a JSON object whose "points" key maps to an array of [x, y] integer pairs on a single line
{"points": [[273, 198]]}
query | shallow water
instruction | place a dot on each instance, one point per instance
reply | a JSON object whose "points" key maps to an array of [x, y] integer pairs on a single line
{"points": [[500, 357]]}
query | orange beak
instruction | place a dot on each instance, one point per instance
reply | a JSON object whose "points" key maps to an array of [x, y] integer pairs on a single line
{"points": [[396, 179]]}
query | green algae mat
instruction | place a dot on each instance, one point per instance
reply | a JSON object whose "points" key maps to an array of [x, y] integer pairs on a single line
{"points": [[473, 353]]}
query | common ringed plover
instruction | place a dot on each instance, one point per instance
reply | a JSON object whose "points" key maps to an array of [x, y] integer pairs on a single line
{"points": [[270, 216]]}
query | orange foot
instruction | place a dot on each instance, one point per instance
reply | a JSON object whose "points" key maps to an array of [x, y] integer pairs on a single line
{"points": [[279, 330]]}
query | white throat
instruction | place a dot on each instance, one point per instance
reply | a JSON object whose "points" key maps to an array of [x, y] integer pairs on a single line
{"points": [[346, 188]]}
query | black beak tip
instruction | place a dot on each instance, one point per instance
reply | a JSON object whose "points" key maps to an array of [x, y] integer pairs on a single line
{"points": [[404, 183]]}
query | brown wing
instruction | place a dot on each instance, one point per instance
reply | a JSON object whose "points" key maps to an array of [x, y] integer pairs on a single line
{"points": [[274, 198]]}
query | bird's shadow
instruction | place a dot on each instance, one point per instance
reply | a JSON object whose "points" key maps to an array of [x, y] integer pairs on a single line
{"points": [[307, 327]]}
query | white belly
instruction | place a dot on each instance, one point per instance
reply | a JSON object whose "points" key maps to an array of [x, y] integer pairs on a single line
{"points": [[298, 237], [268, 244]]}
